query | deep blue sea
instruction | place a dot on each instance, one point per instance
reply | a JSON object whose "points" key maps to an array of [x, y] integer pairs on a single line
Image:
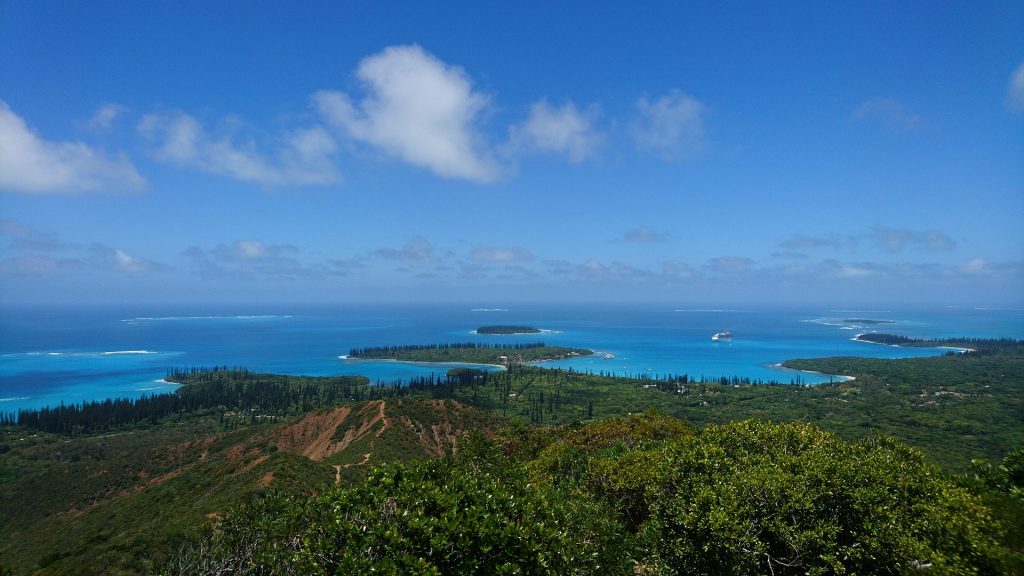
{"points": [[54, 355]]}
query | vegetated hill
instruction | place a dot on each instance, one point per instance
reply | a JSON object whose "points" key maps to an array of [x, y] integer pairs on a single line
{"points": [[98, 501], [120, 503], [645, 494]]}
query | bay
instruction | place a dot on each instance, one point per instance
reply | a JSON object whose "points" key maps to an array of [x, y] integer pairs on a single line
{"points": [[57, 355]]}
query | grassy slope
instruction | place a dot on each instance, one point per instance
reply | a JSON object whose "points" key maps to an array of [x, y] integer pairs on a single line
{"points": [[118, 504]]}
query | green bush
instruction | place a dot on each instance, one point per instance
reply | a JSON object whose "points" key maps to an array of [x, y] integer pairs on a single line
{"points": [[638, 495]]}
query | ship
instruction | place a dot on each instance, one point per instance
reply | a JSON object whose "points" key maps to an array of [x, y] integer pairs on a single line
{"points": [[724, 335]]}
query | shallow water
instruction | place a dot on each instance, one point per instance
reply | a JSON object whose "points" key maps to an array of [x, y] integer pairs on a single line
{"points": [[53, 355]]}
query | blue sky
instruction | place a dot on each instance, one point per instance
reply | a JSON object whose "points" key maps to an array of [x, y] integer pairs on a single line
{"points": [[832, 153]]}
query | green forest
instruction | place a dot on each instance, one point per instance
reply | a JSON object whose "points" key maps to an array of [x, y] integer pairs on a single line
{"points": [[913, 466], [507, 329]]}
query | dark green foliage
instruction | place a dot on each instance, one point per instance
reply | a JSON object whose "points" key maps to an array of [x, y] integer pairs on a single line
{"points": [[235, 391], [469, 352], [1002, 487], [757, 498], [472, 514], [643, 495], [509, 329], [972, 345]]}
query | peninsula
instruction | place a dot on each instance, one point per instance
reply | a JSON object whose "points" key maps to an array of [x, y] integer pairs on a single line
{"points": [[469, 352]]}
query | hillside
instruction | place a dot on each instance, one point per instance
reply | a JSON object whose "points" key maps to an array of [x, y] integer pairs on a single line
{"points": [[122, 500], [645, 494], [118, 504]]}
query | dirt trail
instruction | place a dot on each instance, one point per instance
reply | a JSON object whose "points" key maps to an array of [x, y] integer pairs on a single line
{"points": [[363, 462]]}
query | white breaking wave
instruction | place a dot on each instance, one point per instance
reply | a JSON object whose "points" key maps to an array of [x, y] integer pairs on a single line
{"points": [[14, 398], [127, 352], [170, 318], [489, 310]]}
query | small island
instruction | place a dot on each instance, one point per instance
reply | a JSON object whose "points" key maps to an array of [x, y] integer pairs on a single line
{"points": [[507, 329]]}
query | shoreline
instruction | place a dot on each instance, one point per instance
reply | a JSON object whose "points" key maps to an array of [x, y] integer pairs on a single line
{"points": [[422, 363], [960, 349], [842, 377]]}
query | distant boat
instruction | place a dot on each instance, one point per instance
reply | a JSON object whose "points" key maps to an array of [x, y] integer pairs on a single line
{"points": [[722, 336]]}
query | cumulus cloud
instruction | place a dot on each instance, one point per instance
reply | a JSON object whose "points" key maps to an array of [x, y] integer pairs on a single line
{"points": [[884, 238], [853, 271], [117, 260], [248, 259], [898, 239], [671, 126], [563, 130], [50, 257], [103, 119], [729, 265], [303, 157], [500, 255], [418, 109], [19, 237], [646, 235], [1015, 90], [677, 270], [890, 113], [805, 242], [30, 164], [419, 250]]}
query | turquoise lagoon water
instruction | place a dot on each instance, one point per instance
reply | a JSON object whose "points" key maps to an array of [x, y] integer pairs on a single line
{"points": [[52, 355]]}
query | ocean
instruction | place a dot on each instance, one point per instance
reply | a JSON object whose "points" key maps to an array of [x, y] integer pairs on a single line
{"points": [[50, 356]]}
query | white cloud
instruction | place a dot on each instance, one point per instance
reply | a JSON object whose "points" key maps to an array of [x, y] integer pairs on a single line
{"points": [[31, 164], [304, 157], [897, 239], [1015, 91], [852, 271], [243, 250], [564, 130], [890, 113], [975, 266], [119, 260], [881, 237], [20, 237], [248, 259], [418, 109], [672, 126], [805, 242], [646, 235], [104, 118], [69, 259], [419, 250], [730, 265], [501, 255], [676, 270]]}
